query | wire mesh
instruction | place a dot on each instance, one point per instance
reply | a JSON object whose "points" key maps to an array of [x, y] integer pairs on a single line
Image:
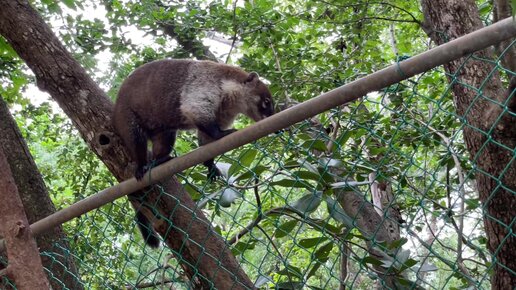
{"points": [[292, 188]]}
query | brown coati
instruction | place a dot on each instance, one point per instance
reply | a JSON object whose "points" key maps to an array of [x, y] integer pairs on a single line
{"points": [[164, 96]]}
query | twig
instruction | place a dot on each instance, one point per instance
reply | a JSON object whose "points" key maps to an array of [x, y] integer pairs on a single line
{"points": [[235, 31], [285, 263], [373, 3], [254, 185], [257, 197], [472, 246], [165, 267], [152, 284], [462, 195], [288, 101], [441, 258], [393, 41], [343, 265], [285, 210]]}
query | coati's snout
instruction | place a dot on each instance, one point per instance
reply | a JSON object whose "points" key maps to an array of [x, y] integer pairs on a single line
{"points": [[262, 105], [260, 108], [266, 106]]}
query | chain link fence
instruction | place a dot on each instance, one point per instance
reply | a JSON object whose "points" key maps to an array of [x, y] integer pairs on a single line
{"points": [[299, 208]]}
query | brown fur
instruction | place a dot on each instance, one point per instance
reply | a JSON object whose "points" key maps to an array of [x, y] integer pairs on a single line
{"points": [[164, 96]]}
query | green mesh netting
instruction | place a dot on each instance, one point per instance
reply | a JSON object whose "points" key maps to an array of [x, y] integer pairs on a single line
{"points": [[297, 187]]}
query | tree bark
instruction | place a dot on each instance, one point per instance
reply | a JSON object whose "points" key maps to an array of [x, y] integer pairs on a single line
{"points": [[490, 133], [24, 266], [90, 110], [502, 10], [37, 203]]}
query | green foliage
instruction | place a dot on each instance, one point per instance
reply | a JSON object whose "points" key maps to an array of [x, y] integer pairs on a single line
{"points": [[292, 181]]}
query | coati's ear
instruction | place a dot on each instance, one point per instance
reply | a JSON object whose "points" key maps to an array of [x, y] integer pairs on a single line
{"points": [[252, 77]]}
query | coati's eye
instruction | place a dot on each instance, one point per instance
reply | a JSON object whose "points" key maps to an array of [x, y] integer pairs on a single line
{"points": [[265, 103]]}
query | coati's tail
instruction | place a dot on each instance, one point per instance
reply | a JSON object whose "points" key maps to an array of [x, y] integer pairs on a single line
{"points": [[149, 235]]}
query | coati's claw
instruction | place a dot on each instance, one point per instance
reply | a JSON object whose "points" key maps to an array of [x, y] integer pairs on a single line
{"points": [[213, 174], [140, 172], [229, 131]]}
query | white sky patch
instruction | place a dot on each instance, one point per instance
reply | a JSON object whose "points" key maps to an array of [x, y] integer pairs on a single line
{"points": [[36, 96]]}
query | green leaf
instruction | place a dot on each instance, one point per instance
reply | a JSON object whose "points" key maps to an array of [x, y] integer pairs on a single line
{"points": [[372, 260], [241, 247], [290, 183], [337, 212], [303, 174], [308, 203], [343, 139], [312, 242], [472, 203], [327, 227], [314, 144], [314, 269], [323, 252], [289, 285], [70, 4], [256, 171], [291, 270], [307, 165], [397, 244], [377, 150], [409, 263], [285, 228], [244, 160]]}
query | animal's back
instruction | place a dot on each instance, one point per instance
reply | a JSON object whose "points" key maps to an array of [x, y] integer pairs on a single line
{"points": [[152, 92]]}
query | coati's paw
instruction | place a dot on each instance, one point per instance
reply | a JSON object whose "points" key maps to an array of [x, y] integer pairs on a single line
{"points": [[228, 131], [140, 172], [213, 174], [162, 160]]}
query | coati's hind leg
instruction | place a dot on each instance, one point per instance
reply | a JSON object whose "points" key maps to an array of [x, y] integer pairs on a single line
{"points": [[162, 144], [139, 151], [134, 138], [213, 171]]}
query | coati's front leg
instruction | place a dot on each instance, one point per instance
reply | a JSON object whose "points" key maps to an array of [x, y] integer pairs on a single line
{"points": [[207, 134], [162, 144], [213, 130]]}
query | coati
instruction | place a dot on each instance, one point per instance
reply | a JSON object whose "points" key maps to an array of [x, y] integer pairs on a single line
{"points": [[164, 96]]}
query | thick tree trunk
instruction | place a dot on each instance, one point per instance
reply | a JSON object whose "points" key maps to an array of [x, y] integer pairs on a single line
{"points": [[490, 131], [502, 10], [24, 266], [37, 203], [90, 110]]}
